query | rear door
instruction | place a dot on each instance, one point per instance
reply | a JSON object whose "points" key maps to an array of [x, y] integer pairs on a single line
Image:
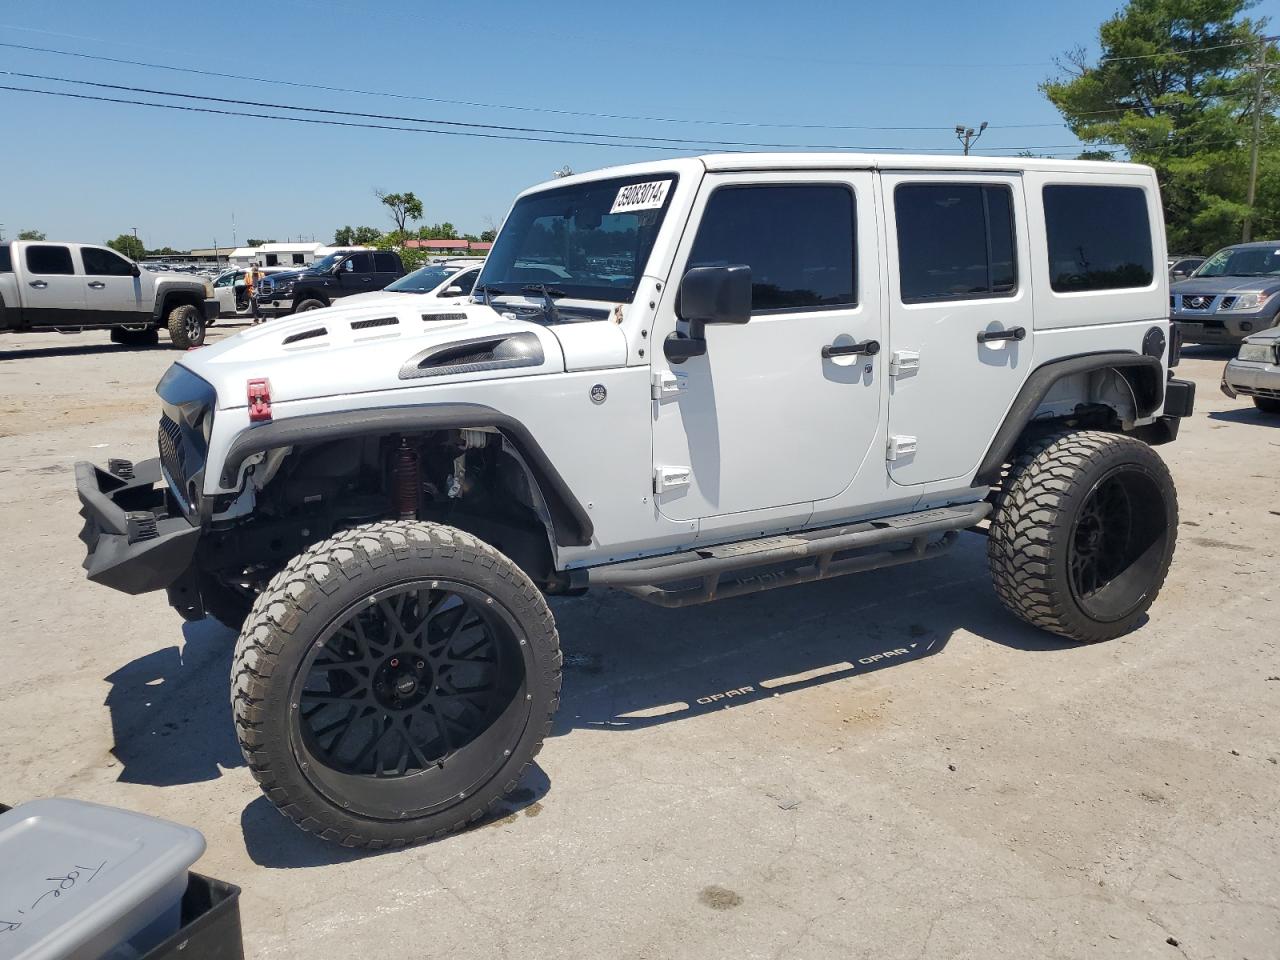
{"points": [[960, 317], [54, 296], [112, 293], [386, 267]]}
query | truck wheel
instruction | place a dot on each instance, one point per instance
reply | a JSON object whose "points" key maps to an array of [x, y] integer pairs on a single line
{"points": [[306, 305], [135, 338], [393, 682], [1267, 404], [186, 327], [1083, 533]]}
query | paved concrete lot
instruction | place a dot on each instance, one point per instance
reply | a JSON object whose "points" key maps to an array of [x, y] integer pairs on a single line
{"points": [[989, 792]]}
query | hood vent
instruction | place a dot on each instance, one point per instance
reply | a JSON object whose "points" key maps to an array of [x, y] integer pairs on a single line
{"points": [[305, 335], [433, 317], [379, 322], [476, 355]]}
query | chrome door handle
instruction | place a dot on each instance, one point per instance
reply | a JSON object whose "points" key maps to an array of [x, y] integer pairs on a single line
{"points": [[97, 285], [1015, 333], [866, 348], [39, 284]]}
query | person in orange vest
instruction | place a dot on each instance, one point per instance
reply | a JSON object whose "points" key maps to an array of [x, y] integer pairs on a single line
{"points": [[252, 277]]}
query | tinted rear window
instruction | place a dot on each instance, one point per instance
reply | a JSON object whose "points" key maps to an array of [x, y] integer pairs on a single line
{"points": [[49, 260], [6, 265], [797, 240], [955, 241], [1099, 237], [385, 263]]}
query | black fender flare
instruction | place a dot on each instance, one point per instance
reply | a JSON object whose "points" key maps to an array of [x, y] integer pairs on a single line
{"points": [[1144, 374], [311, 293], [166, 300], [572, 525]]}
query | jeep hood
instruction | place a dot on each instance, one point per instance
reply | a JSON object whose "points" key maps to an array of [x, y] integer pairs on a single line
{"points": [[376, 347]]}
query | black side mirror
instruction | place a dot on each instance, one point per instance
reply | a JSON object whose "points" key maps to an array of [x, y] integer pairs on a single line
{"points": [[135, 270], [709, 295]]}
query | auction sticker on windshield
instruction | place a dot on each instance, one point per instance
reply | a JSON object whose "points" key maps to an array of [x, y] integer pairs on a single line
{"points": [[641, 196]]}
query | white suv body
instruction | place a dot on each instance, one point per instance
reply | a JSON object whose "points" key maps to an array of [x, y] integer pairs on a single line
{"points": [[688, 379]]}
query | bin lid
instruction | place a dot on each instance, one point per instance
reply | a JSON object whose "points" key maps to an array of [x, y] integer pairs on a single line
{"points": [[69, 870]]}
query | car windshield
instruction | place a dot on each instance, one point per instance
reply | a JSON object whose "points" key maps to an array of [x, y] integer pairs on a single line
{"points": [[589, 240], [327, 263], [421, 281], [1242, 262]]}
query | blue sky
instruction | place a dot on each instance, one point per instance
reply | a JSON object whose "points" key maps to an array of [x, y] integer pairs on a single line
{"points": [[82, 170]]}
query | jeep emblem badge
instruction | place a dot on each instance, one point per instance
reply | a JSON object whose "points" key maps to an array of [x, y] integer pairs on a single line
{"points": [[598, 393]]}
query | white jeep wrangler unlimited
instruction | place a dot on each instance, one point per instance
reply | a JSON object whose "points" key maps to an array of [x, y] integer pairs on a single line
{"points": [[689, 380]]}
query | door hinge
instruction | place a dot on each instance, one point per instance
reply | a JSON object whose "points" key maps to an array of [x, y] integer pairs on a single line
{"points": [[903, 361], [666, 384], [670, 478], [900, 447]]}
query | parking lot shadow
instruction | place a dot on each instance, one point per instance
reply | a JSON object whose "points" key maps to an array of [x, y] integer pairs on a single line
{"points": [[77, 350], [1250, 415], [271, 841], [629, 665], [170, 713]]}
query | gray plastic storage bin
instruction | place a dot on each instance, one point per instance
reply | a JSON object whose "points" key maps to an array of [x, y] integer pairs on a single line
{"points": [[79, 881]]}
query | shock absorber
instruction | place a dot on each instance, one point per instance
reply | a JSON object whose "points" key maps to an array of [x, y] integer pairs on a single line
{"points": [[407, 479]]}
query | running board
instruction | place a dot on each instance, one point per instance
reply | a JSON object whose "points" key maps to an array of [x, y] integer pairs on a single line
{"points": [[710, 573]]}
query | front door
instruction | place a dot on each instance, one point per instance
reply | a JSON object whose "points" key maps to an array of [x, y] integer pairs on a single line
{"points": [[53, 295], [765, 419], [960, 318], [356, 274], [112, 293]]}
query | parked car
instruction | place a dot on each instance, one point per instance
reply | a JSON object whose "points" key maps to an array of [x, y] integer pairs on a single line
{"points": [[228, 290], [72, 287], [331, 278], [1234, 293], [447, 282], [1255, 371], [773, 369], [1181, 267]]}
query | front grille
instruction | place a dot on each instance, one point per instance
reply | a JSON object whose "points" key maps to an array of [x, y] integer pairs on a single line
{"points": [[1196, 302], [173, 455]]}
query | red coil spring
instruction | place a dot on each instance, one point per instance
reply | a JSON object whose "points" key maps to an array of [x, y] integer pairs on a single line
{"points": [[407, 478]]}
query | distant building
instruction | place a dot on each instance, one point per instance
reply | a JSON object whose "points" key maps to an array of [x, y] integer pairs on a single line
{"points": [[455, 245]]}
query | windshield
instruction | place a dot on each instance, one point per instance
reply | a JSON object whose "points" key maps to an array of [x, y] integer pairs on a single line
{"points": [[421, 281], [1242, 262], [590, 240], [326, 264]]}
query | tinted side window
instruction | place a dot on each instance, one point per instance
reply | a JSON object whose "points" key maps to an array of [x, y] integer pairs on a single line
{"points": [[359, 263], [798, 241], [104, 263], [955, 241], [49, 260], [1099, 237], [385, 263], [6, 263]]}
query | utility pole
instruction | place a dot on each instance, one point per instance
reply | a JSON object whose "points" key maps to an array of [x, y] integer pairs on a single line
{"points": [[1260, 69], [135, 237], [967, 135]]}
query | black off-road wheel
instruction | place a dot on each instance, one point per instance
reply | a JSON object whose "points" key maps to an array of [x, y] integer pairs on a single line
{"points": [[1267, 404], [392, 683], [1083, 534], [135, 338], [186, 327]]}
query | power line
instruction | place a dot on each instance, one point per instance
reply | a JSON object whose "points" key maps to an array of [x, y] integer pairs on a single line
{"points": [[1187, 53], [700, 142], [494, 106]]}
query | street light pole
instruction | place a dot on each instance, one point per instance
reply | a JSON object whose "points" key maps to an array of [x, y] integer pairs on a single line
{"points": [[967, 135]]}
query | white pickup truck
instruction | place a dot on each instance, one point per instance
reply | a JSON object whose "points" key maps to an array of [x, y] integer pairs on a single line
{"points": [[71, 287]]}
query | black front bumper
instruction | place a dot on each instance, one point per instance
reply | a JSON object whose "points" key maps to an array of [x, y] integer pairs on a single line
{"points": [[138, 538], [211, 310]]}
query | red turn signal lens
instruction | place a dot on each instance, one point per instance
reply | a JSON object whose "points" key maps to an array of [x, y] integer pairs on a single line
{"points": [[259, 400]]}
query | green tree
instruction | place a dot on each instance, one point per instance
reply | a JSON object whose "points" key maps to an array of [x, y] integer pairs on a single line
{"points": [[356, 236], [1174, 88], [488, 236], [438, 231], [31, 235], [255, 242], [402, 207], [128, 245]]}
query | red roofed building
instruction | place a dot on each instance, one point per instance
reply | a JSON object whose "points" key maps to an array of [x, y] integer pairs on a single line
{"points": [[450, 246]]}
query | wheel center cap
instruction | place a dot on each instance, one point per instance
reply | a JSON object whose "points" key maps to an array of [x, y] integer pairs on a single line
{"points": [[406, 686]]}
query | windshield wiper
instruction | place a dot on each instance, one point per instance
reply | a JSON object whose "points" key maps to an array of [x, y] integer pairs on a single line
{"points": [[549, 295], [487, 290]]}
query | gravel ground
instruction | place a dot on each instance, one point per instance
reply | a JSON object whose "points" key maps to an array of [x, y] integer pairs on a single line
{"points": [[989, 793]]}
